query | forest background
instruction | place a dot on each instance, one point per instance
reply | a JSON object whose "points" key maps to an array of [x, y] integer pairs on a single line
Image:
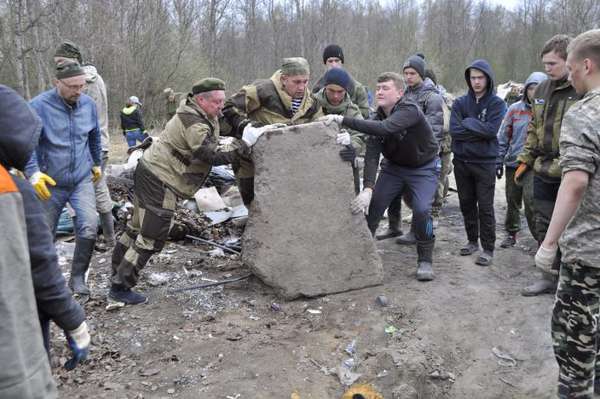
{"points": [[142, 46]]}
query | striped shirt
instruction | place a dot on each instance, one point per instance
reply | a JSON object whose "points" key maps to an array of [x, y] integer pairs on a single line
{"points": [[296, 102]]}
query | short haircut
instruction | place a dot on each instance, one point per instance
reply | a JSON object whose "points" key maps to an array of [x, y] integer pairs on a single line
{"points": [[393, 77], [586, 45], [558, 44]]}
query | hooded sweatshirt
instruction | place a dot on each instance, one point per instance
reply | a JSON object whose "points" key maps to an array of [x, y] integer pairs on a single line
{"points": [[513, 131], [25, 371], [474, 123]]}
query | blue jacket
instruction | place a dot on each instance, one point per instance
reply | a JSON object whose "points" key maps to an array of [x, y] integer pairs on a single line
{"points": [[69, 144], [474, 124], [513, 131]]}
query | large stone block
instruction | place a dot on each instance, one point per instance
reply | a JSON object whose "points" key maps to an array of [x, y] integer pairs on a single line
{"points": [[301, 237]]}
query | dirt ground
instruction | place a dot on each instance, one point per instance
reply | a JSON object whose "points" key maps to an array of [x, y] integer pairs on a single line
{"points": [[467, 334]]}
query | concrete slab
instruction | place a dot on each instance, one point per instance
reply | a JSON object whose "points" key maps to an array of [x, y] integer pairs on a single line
{"points": [[301, 237]]}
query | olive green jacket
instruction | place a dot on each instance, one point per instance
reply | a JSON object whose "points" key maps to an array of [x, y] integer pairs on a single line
{"points": [[186, 150], [265, 102], [551, 101], [345, 108]]}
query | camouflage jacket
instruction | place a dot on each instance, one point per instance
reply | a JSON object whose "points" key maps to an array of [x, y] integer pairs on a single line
{"points": [[358, 95], [346, 108], [264, 103], [186, 150], [551, 101], [580, 150]]}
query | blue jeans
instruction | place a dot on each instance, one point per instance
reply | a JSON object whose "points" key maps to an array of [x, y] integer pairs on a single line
{"points": [[133, 136], [418, 183], [83, 201]]}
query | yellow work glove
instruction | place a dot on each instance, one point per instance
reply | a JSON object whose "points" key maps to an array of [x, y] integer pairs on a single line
{"points": [[96, 173], [38, 181]]}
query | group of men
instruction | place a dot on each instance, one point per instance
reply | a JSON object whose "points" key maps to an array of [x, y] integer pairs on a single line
{"points": [[547, 146]]}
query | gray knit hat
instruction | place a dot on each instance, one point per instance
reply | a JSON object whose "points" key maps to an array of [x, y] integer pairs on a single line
{"points": [[417, 63]]}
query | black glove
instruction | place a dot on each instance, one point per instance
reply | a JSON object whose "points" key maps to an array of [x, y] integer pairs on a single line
{"points": [[499, 171], [348, 153]]}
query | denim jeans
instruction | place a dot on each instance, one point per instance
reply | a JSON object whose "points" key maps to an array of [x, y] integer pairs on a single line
{"points": [[82, 199], [133, 136]]}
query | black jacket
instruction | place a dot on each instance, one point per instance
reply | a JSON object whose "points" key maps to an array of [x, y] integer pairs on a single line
{"points": [[404, 138], [131, 118]]}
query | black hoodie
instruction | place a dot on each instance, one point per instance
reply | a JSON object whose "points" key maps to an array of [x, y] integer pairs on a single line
{"points": [[474, 123]]}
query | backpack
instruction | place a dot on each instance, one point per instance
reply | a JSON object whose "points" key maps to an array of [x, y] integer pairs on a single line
{"points": [[446, 143]]}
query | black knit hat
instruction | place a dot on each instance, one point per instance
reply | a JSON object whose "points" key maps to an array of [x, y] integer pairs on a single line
{"points": [[68, 69], [68, 50], [417, 63], [337, 76], [333, 50]]}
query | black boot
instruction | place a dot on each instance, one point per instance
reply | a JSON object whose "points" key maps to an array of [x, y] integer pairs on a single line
{"points": [[424, 260], [108, 229], [246, 186], [84, 247], [393, 229]]}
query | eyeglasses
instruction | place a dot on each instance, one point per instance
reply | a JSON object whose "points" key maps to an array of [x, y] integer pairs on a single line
{"points": [[74, 87]]}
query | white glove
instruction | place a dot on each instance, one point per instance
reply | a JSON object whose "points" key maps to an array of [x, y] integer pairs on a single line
{"points": [[331, 119], [79, 342], [362, 201], [343, 138], [544, 258], [251, 134]]}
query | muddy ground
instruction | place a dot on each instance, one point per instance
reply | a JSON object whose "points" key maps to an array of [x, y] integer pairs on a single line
{"points": [[467, 334]]}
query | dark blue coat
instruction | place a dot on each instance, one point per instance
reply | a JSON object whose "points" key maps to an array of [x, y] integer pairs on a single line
{"points": [[474, 124]]}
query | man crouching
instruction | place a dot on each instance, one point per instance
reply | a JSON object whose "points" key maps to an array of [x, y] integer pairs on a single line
{"points": [[175, 166]]}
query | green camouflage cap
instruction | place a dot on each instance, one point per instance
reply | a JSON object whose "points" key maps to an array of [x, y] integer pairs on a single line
{"points": [[294, 66], [68, 69], [68, 50], [208, 84]]}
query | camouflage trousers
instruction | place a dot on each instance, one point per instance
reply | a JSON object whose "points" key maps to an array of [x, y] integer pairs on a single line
{"points": [[148, 229], [442, 188], [575, 335]]}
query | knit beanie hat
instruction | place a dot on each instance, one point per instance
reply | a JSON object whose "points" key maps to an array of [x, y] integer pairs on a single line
{"points": [[333, 50], [417, 63], [68, 50], [337, 76], [68, 69]]}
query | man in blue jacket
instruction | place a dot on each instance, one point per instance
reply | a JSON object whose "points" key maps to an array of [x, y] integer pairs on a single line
{"points": [[474, 123], [68, 158]]}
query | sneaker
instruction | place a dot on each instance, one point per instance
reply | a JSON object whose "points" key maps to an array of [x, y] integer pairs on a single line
{"points": [[509, 241], [485, 259], [126, 295], [469, 249]]}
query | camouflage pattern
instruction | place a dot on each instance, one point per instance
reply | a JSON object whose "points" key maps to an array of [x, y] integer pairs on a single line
{"points": [[580, 150], [148, 229], [551, 101], [263, 103], [358, 95], [186, 150], [345, 108], [575, 329], [577, 307], [172, 105]]}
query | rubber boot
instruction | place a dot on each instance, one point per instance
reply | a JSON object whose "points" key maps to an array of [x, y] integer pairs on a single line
{"points": [[246, 186], [393, 229], [408, 238], [545, 285], [108, 229], [84, 247], [424, 260]]}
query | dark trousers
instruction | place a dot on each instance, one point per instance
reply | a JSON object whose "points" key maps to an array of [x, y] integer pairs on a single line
{"points": [[148, 229], [545, 191], [420, 183], [476, 183]]}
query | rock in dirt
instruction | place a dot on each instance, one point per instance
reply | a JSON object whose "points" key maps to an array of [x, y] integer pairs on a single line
{"points": [[301, 237]]}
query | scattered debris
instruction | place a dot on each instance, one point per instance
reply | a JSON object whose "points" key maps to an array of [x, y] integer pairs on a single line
{"points": [[382, 300], [314, 311], [390, 329], [208, 199]]}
